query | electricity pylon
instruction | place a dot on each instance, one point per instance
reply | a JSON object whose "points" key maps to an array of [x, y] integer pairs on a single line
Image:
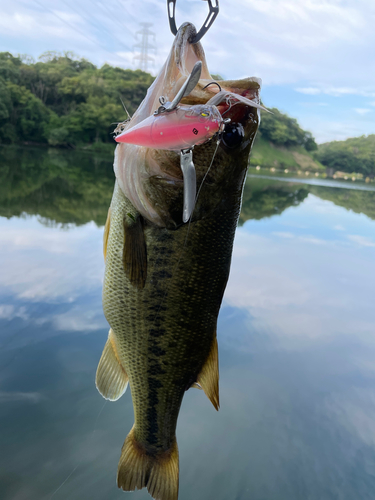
{"points": [[144, 46]]}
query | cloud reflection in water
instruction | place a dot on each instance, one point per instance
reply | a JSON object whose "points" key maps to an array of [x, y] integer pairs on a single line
{"points": [[297, 375]]}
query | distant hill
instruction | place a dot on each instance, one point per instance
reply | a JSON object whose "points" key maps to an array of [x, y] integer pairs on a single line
{"points": [[282, 144], [353, 155], [63, 100]]}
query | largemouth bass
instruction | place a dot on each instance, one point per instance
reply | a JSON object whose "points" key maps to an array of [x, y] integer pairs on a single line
{"points": [[165, 280]]}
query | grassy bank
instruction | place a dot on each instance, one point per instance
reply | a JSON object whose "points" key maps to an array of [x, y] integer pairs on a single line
{"points": [[267, 155]]}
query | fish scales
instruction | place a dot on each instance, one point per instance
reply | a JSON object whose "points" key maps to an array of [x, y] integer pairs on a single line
{"points": [[164, 332], [164, 280]]}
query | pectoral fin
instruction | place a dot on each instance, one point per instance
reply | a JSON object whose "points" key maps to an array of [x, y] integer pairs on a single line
{"points": [[106, 233], [134, 255], [111, 378], [208, 379]]}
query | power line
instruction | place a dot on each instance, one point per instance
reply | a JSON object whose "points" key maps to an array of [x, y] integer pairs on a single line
{"points": [[90, 21], [115, 19], [95, 42], [129, 15]]}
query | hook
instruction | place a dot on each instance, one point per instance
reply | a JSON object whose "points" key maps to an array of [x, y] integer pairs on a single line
{"points": [[212, 83], [213, 6]]}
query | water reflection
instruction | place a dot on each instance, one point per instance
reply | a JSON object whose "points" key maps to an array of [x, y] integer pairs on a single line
{"points": [[75, 187], [59, 186], [296, 337]]}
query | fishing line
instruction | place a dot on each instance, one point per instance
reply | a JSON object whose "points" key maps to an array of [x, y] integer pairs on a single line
{"points": [[205, 175], [80, 462], [127, 112]]}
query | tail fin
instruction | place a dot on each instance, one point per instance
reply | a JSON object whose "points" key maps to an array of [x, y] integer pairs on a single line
{"points": [[158, 473]]}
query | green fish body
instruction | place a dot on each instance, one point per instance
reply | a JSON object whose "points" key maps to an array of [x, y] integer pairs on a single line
{"points": [[165, 280]]}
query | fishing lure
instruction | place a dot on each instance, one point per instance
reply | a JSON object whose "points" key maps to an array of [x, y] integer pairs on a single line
{"points": [[182, 128], [178, 128]]}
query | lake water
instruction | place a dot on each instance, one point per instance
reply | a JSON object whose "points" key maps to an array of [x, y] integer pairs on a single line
{"points": [[296, 339]]}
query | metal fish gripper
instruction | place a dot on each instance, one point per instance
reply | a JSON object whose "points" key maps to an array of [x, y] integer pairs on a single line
{"points": [[213, 6]]}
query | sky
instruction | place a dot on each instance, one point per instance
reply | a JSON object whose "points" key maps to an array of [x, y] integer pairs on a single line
{"points": [[316, 58]]}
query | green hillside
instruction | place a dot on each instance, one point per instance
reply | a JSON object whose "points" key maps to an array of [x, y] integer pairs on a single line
{"points": [[269, 155], [62, 100], [353, 155]]}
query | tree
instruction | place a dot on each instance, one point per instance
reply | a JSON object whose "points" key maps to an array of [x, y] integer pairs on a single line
{"points": [[282, 130], [27, 118]]}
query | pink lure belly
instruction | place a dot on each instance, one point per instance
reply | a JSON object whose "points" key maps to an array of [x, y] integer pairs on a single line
{"points": [[175, 130]]}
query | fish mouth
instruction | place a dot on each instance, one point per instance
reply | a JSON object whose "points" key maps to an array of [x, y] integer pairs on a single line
{"points": [[178, 67], [187, 54], [151, 179]]}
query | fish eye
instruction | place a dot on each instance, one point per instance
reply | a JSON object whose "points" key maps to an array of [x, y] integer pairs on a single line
{"points": [[233, 135]]}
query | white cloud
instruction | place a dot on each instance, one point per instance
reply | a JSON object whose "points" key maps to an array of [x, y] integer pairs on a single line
{"points": [[362, 111], [313, 240], [361, 240], [355, 410], [79, 320], [34, 239], [271, 287], [44, 258], [306, 239], [305, 45], [309, 90], [279, 41], [325, 129], [336, 91], [32, 25], [284, 234], [8, 311], [10, 397]]}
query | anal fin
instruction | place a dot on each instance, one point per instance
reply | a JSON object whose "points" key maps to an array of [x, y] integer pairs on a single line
{"points": [[208, 378], [111, 378], [134, 255]]}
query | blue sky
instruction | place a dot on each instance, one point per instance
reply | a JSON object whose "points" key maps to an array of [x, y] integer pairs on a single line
{"points": [[316, 57]]}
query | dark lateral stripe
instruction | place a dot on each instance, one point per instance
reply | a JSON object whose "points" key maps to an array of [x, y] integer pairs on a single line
{"points": [[152, 431]]}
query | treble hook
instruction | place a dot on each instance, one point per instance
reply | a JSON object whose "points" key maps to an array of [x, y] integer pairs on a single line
{"points": [[212, 83], [213, 6]]}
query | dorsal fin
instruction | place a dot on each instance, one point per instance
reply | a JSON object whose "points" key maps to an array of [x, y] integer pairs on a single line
{"points": [[134, 255], [208, 379]]}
